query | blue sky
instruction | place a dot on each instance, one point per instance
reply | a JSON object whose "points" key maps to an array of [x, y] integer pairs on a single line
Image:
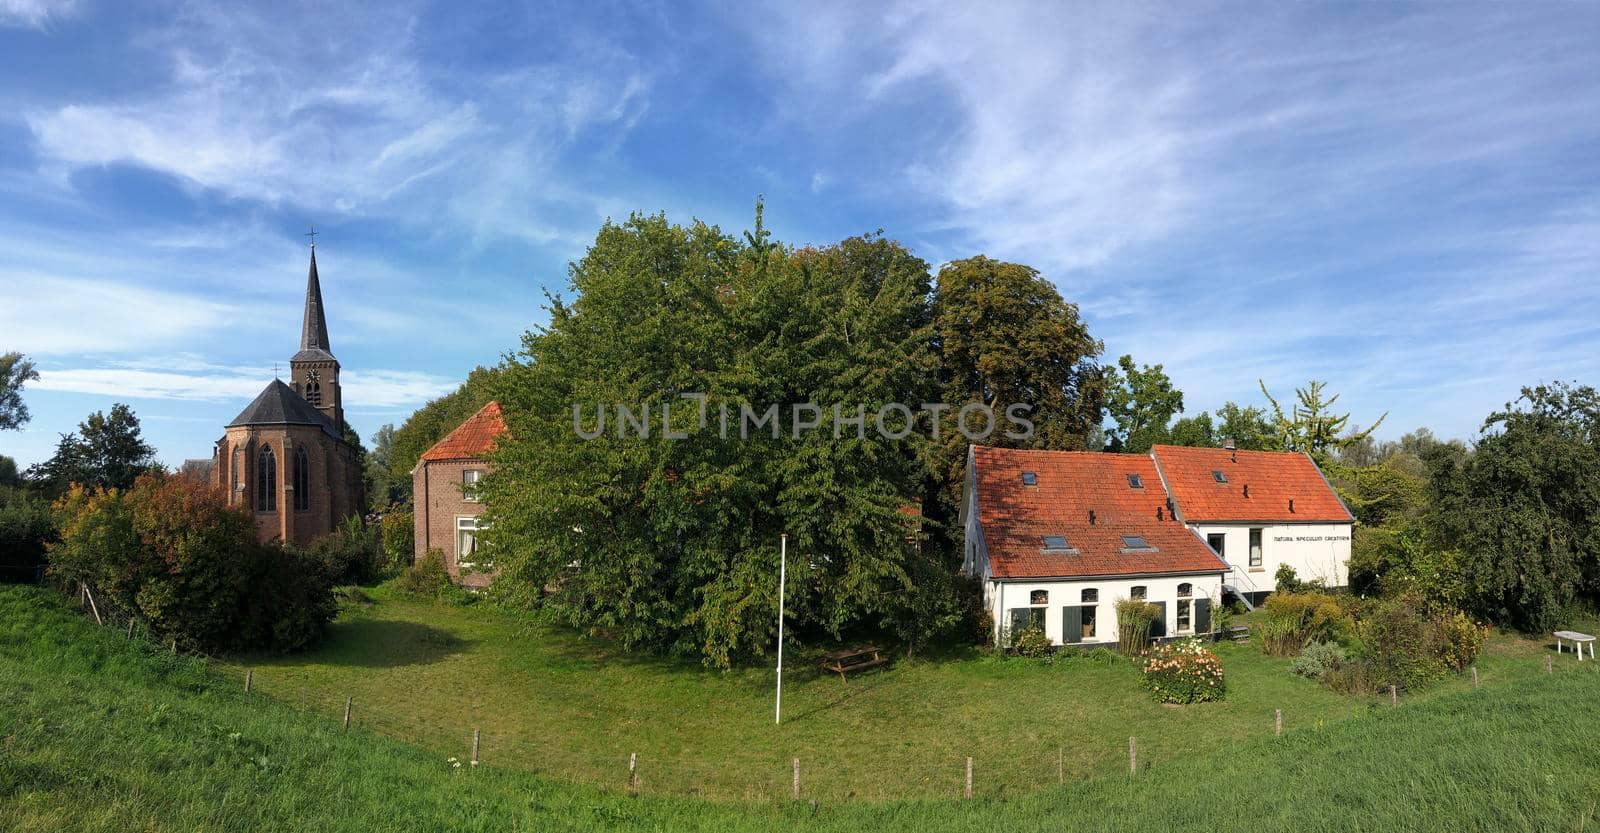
{"points": [[1402, 199]]}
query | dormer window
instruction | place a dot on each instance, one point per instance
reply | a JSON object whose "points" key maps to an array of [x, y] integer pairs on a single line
{"points": [[1055, 542], [1217, 475], [1135, 482], [1030, 478]]}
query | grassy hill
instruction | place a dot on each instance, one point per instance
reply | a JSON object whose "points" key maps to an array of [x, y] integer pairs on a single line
{"points": [[98, 733]]}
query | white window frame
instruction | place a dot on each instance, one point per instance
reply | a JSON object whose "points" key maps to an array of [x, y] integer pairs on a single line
{"points": [[466, 523], [469, 483]]}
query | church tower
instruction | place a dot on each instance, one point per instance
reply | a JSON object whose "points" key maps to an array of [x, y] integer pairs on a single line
{"points": [[314, 372]]}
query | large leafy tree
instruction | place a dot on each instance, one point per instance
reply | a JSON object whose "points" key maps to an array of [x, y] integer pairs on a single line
{"points": [[15, 371], [1524, 507], [108, 451], [672, 543], [1004, 335], [1142, 402], [426, 426]]}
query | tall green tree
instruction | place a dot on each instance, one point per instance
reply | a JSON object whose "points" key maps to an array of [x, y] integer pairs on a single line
{"points": [[1310, 425], [108, 451], [1142, 402], [1194, 431], [382, 490], [672, 542], [1004, 335], [15, 371], [1524, 508], [430, 423]]}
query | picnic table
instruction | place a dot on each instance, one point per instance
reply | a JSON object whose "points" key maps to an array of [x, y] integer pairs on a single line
{"points": [[853, 659], [1578, 640]]}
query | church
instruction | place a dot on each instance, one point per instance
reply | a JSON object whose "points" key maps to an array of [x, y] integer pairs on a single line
{"points": [[285, 457]]}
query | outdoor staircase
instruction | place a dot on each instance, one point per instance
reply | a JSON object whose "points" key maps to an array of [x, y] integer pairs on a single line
{"points": [[1240, 585], [1237, 633]]}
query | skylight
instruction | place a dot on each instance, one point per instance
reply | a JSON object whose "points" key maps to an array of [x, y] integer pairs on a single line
{"points": [[1217, 475], [1135, 482], [1134, 542], [1030, 479], [1055, 542]]}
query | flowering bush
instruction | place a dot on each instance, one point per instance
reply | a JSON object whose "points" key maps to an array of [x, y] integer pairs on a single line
{"points": [[1183, 672]]}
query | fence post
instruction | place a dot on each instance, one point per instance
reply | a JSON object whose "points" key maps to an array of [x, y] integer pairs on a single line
{"points": [[1394, 695], [1061, 765], [796, 779], [633, 773], [249, 677], [1547, 665], [967, 793], [130, 626], [474, 747], [1474, 676], [1133, 756], [1277, 722], [347, 702]]}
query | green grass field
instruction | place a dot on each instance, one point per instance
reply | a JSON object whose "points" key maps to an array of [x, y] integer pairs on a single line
{"points": [[548, 701], [99, 733]]}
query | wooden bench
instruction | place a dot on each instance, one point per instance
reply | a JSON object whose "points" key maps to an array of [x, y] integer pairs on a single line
{"points": [[1578, 640], [855, 659]]}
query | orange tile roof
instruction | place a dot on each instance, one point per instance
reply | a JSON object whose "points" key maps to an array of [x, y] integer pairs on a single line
{"points": [[472, 439], [1274, 478], [1070, 484]]}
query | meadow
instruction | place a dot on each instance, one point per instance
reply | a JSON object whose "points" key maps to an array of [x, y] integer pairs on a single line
{"points": [[98, 732]]}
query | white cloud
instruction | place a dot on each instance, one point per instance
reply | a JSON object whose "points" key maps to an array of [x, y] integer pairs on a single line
{"points": [[35, 14], [349, 120], [63, 315], [187, 378]]}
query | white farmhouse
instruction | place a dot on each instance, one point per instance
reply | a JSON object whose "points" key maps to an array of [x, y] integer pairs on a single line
{"points": [[1058, 537], [1260, 510]]}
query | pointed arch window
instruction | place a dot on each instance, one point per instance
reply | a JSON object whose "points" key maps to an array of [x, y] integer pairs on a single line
{"points": [[237, 468], [266, 481], [302, 479]]}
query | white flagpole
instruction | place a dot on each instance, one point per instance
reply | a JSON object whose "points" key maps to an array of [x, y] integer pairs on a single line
{"points": [[783, 571]]}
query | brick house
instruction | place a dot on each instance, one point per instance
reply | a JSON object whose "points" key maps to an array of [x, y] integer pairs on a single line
{"points": [[285, 456], [446, 511]]}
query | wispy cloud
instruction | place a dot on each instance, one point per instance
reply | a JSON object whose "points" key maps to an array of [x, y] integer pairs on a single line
{"points": [[188, 378], [35, 14]]}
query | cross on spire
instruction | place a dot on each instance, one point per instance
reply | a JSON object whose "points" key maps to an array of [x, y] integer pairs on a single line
{"points": [[312, 234]]}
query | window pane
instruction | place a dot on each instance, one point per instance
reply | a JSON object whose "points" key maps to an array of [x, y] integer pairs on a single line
{"points": [[1137, 592], [1255, 548], [1039, 597], [1185, 590], [1088, 621], [1090, 596], [1183, 614]]}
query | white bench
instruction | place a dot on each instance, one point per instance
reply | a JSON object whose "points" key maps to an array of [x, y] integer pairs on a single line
{"points": [[1578, 640]]}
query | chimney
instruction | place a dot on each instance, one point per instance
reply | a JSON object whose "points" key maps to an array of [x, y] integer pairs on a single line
{"points": [[1247, 490], [1291, 506], [1091, 516], [1160, 515]]}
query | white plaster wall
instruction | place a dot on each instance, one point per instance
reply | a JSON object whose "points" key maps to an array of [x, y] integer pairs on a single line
{"points": [[1313, 550], [1004, 595]]}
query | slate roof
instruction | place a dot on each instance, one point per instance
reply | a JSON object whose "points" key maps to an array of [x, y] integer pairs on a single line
{"points": [[278, 404], [1069, 484], [1274, 478], [314, 327], [472, 439]]}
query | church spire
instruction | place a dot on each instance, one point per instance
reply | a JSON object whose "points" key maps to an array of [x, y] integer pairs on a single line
{"points": [[314, 332]]}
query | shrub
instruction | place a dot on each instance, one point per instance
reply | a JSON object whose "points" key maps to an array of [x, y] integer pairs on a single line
{"points": [[171, 551], [1184, 672], [1134, 618], [399, 537], [1032, 642], [1460, 640], [349, 554], [1291, 620], [1221, 617], [427, 578], [1317, 660], [25, 529], [1404, 644]]}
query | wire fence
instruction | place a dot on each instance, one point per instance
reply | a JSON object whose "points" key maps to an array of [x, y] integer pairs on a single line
{"points": [[942, 771]]}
